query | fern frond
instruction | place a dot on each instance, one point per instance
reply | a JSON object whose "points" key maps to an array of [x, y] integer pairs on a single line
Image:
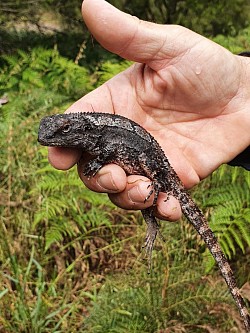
{"points": [[230, 214], [244, 227], [45, 68], [57, 231]]}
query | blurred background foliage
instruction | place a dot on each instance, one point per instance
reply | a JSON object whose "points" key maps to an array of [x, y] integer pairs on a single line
{"points": [[30, 23], [69, 259]]}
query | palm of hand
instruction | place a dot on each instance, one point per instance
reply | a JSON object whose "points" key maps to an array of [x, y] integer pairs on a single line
{"points": [[184, 103]]}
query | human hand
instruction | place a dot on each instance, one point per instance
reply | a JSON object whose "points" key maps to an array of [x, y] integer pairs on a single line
{"points": [[191, 94]]}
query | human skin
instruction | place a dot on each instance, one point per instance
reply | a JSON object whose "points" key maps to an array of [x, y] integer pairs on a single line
{"points": [[190, 93]]}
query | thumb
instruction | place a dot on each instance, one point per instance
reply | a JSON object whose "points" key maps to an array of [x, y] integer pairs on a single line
{"points": [[132, 38]]}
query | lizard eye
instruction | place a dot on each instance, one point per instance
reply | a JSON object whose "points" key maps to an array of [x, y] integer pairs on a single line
{"points": [[66, 128]]}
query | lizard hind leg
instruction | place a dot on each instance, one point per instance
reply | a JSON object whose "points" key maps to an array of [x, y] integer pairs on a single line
{"points": [[155, 188], [152, 231]]}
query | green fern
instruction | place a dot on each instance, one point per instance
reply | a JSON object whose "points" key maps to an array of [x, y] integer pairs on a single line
{"points": [[230, 217], [226, 197], [57, 231], [136, 304], [43, 68], [57, 209]]}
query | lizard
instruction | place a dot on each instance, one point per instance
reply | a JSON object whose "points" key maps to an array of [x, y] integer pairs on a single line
{"points": [[110, 138]]}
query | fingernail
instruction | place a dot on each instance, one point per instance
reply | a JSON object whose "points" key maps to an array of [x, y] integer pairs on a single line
{"points": [[137, 194], [106, 182], [167, 212]]}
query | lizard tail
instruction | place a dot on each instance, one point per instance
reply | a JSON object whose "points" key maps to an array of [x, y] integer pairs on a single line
{"points": [[197, 219]]}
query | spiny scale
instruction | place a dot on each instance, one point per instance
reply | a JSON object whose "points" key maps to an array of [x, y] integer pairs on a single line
{"points": [[115, 139]]}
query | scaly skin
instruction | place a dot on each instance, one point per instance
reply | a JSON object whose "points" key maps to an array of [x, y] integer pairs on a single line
{"points": [[116, 139]]}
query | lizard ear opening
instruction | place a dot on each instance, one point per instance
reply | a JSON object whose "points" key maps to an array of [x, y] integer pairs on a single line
{"points": [[65, 128]]}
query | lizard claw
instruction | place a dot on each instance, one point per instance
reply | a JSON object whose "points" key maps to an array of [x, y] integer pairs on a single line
{"points": [[155, 189]]}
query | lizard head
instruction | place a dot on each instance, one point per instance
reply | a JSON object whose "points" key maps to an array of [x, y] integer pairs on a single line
{"points": [[68, 130]]}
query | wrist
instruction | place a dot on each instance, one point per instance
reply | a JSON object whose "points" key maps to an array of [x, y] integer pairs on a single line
{"points": [[244, 99], [243, 158]]}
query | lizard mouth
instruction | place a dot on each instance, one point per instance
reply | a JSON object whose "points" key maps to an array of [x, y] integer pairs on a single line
{"points": [[48, 143], [45, 142]]}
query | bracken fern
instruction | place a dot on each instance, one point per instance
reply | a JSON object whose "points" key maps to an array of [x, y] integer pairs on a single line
{"points": [[227, 201]]}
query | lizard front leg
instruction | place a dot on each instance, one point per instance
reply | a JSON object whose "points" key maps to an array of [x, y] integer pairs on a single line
{"points": [[91, 168]]}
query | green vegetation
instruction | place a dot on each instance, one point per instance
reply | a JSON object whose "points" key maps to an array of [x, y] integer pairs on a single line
{"points": [[202, 16], [70, 261]]}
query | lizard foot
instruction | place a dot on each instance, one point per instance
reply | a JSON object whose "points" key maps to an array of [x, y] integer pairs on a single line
{"points": [[91, 168], [155, 188], [152, 231]]}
